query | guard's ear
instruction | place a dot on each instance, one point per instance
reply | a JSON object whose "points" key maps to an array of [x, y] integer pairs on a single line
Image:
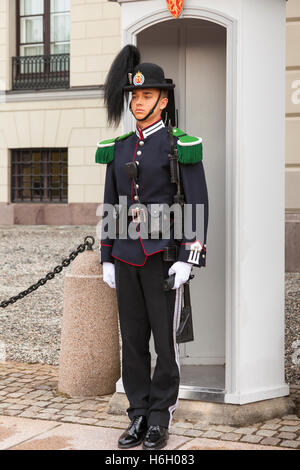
{"points": [[163, 103]]}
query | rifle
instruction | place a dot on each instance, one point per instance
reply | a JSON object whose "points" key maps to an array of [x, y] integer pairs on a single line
{"points": [[185, 332]]}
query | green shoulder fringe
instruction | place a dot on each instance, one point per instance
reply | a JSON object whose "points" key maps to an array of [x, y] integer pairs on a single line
{"points": [[189, 149], [106, 149]]}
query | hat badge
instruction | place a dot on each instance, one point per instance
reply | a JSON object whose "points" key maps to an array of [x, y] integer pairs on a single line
{"points": [[138, 79]]}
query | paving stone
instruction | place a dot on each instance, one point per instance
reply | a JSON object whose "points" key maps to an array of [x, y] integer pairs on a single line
{"points": [[253, 438], [73, 406], [211, 434], [287, 435], [193, 433], [35, 394], [91, 421], [57, 406], [11, 412], [25, 390], [178, 430], [289, 428], [230, 436], [45, 417], [271, 426], [28, 414], [245, 430], [183, 424], [266, 432], [58, 399], [89, 407], [69, 412], [270, 441], [16, 407], [120, 425], [41, 404], [222, 428], [291, 422], [288, 417], [293, 444], [50, 410], [87, 414], [202, 426]]}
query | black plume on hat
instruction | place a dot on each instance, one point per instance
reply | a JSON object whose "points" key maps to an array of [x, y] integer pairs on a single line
{"points": [[127, 74], [125, 62]]}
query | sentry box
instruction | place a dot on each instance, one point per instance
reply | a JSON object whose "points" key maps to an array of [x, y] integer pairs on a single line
{"points": [[227, 58]]}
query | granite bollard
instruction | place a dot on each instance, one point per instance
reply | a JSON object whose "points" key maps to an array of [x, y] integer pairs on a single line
{"points": [[90, 354]]}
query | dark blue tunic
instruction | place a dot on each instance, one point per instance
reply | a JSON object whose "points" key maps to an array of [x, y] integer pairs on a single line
{"points": [[150, 147]]}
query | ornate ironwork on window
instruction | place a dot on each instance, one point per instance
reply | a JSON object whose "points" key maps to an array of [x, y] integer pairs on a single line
{"points": [[41, 72], [39, 175]]}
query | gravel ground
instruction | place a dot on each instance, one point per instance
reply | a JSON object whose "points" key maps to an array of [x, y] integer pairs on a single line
{"points": [[30, 328]]}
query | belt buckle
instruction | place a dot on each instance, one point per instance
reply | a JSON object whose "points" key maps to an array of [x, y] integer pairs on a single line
{"points": [[136, 214]]}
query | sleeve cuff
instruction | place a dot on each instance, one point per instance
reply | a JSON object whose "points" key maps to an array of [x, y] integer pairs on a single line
{"points": [[105, 253], [197, 259]]}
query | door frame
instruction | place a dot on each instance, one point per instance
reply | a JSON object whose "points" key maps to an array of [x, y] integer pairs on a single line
{"points": [[232, 203]]}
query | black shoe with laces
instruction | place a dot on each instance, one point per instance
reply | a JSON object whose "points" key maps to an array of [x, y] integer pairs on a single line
{"points": [[156, 438], [134, 434]]}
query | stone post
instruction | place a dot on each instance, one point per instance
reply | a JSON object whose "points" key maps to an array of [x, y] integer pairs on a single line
{"points": [[90, 354]]}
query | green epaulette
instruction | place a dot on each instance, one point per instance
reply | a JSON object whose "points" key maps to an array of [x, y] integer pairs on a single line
{"points": [[189, 149], [178, 132], [106, 149]]}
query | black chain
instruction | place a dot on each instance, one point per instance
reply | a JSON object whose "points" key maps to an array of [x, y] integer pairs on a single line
{"points": [[86, 245]]}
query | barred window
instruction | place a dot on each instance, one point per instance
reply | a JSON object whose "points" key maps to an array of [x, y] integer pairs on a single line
{"points": [[39, 175]]}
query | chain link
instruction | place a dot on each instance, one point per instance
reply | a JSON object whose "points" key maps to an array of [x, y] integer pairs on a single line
{"points": [[80, 249]]}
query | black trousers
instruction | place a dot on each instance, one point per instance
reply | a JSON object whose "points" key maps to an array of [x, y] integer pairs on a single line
{"points": [[144, 306]]}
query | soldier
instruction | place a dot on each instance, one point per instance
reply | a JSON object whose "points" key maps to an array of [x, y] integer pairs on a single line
{"points": [[138, 169]]}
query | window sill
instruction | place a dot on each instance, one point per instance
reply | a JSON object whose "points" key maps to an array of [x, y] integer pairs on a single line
{"points": [[73, 93]]}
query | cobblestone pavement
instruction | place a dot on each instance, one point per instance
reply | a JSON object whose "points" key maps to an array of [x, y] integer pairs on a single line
{"points": [[30, 391]]}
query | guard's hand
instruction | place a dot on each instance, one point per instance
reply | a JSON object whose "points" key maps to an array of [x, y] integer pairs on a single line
{"points": [[109, 274], [182, 272]]}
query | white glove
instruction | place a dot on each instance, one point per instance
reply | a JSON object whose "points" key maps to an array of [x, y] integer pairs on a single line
{"points": [[109, 274], [182, 272]]}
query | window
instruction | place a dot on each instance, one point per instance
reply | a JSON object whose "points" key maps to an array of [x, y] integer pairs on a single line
{"points": [[43, 27], [43, 45], [60, 27], [39, 175], [31, 27]]}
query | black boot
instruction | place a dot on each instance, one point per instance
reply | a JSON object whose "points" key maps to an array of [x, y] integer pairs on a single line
{"points": [[134, 434], [156, 438]]}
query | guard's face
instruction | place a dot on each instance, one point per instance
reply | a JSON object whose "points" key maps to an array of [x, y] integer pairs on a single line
{"points": [[143, 101]]}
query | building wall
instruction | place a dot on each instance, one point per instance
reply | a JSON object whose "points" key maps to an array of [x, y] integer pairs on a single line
{"points": [[293, 106], [56, 119], [78, 122], [95, 40]]}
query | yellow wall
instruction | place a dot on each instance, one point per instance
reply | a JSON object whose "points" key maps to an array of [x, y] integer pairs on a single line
{"points": [[293, 106]]}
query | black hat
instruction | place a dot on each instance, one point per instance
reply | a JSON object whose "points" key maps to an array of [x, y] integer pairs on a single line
{"points": [[127, 74], [148, 75]]}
